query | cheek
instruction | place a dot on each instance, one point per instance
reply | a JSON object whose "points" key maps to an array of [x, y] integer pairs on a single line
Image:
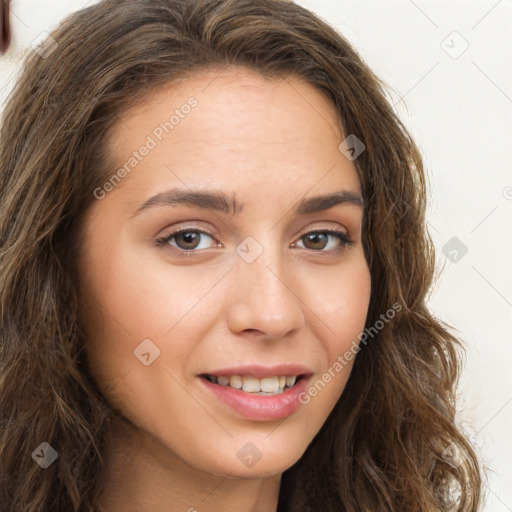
{"points": [[340, 301], [134, 298], [151, 295], [341, 309], [146, 315]]}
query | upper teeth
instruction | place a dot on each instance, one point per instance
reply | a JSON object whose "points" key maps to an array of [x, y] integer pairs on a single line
{"points": [[251, 384]]}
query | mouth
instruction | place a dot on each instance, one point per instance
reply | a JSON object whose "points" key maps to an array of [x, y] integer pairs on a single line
{"points": [[255, 394], [266, 386]]}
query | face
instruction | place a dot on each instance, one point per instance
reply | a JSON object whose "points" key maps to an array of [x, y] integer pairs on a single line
{"points": [[213, 262]]}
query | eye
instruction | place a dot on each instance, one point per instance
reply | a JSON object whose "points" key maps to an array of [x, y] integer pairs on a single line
{"points": [[319, 240], [186, 240]]}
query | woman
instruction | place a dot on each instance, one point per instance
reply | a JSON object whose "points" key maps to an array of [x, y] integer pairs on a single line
{"points": [[213, 272]]}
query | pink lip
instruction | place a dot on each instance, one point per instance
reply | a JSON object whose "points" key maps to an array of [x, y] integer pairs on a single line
{"points": [[259, 407], [261, 371]]}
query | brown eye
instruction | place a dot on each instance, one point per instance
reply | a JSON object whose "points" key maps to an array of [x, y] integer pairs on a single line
{"points": [[318, 240], [185, 240]]}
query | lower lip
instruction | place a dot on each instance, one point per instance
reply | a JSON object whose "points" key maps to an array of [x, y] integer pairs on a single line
{"points": [[259, 407]]}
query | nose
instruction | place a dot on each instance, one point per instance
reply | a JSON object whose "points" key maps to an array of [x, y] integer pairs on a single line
{"points": [[263, 301]]}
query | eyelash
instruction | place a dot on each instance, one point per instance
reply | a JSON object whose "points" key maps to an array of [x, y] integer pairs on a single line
{"points": [[342, 236]]}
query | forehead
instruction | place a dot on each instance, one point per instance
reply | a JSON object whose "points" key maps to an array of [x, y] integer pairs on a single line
{"points": [[235, 105], [233, 85], [244, 131]]}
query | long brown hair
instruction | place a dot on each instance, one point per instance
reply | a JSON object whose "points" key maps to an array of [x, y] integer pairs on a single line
{"points": [[384, 445]]}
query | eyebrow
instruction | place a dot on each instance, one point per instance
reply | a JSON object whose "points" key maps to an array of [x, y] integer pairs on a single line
{"points": [[228, 204]]}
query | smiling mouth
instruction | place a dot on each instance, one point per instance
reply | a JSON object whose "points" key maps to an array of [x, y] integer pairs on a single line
{"points": [[267, 386]]}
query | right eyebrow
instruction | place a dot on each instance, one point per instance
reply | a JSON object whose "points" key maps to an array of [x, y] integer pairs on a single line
{"points": [[212, 200]]}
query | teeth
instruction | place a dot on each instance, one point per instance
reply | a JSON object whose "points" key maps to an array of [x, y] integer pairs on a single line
{"points": [[270, 384], [251, 385], [266, 386], [290, 381], [236, 382], [223, 381]]}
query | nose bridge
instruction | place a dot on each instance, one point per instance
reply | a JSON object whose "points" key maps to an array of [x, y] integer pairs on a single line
{"points": [[264, 299]]}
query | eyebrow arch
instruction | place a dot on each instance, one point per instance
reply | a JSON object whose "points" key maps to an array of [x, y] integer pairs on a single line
{"points": [[225, 203]]}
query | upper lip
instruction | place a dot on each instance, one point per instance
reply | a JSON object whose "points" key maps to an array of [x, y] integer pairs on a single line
{"points": [[261, 371]]}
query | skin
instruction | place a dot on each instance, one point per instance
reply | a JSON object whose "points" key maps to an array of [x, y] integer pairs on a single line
{"points": [[271, 144]]}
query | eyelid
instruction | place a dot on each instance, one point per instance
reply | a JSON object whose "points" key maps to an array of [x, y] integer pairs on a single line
{"points": [[342, 233]]}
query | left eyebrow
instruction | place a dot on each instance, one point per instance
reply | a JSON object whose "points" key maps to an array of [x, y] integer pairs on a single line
{"points": [[222, 202], [320, 203]]}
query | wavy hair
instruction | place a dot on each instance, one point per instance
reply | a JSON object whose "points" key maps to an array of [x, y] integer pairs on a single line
{"points": [[383, 447]]}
